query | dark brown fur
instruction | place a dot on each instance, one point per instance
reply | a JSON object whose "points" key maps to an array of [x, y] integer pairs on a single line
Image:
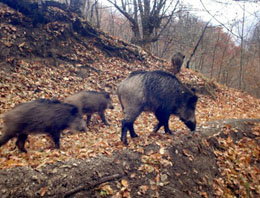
{"points": [[177, 61], [158, 92], [40, 116], [90, 102]]}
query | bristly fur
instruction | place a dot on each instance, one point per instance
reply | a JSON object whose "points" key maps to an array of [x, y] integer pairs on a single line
{"points": [[159, 92], [89, 102], [40, 116]]}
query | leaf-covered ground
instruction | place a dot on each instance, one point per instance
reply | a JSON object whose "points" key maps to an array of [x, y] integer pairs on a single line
{"points": [[48, 62]]}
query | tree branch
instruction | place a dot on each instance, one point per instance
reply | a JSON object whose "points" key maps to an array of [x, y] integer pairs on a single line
{"points": [[156, 37], [196, 46], [213, 16], [122, 12], [93, 185]]}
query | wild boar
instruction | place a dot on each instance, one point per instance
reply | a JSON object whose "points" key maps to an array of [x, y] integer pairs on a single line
{"points": [[159, 92], [40, 116], [90, 102], [177, 60]]}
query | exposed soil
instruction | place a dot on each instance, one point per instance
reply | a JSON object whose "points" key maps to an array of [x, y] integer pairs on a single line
{"points": [[189, 169]]}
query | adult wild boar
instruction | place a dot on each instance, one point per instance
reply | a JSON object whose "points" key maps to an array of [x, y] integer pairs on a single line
{"points": [[177, 60], [40, 116], [159, 92], [90, 102]]}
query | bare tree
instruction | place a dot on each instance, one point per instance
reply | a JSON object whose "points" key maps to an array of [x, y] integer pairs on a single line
{"points": [[214, 54], [91, 12], [196, 46], [241, 50], [180, 33], [148, 18]]}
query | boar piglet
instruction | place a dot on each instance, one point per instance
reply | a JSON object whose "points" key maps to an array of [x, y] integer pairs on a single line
{"points": [[89, 102], [159, 92], [40, 116]]}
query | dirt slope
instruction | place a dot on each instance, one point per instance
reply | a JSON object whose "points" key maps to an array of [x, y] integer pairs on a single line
{"points": [[66, 55]]}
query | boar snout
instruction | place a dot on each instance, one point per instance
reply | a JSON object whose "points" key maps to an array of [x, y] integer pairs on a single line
{"points": [[191, 125]]}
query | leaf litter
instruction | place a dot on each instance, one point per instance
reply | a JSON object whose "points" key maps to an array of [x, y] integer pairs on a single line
{"points": [[32, 78]]}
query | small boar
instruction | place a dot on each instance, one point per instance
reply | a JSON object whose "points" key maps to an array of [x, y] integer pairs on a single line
{"points": [[159, 92], [177, 61], [90, 102], [40, 116]]}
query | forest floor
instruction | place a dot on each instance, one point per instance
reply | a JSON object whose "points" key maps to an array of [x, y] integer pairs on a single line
{"points": [[67, 55]]}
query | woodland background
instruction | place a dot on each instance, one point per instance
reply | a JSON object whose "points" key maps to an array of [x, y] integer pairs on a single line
{"points": [[228, 54], [48, 51]]}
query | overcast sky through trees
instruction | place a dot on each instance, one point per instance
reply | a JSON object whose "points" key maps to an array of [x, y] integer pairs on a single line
{"points": [[225, 12]]}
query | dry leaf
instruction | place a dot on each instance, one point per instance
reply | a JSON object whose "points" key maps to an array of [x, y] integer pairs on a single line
{"points": [[126, 194], [43, 191], [185, 152], [107, 188], [143, 189], [229, 140], [204, 194], [133, 175], [124, 183]]}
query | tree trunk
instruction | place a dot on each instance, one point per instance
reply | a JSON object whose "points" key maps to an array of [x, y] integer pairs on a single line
{"points": [[222, 61], [240, 86], [145, 16], [197, 44], [214, 55]]}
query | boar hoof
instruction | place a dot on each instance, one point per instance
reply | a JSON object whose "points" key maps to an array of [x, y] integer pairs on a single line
{"points": [[124, 141], [134, 135], [169, 132], [22, 149]]}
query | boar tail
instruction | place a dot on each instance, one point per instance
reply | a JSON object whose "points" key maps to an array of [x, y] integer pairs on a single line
{"points": [[119, 97]]}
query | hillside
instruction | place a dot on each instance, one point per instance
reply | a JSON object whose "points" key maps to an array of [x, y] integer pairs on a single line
{"points": [[67, 55]]}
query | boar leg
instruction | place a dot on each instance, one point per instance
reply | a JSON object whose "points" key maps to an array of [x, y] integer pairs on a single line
{"points": [[5, 138], [56, 138], [125, 127], [166, 127], [88, 119], [163, 119], [103, 118], [157, 127], [128, 122], [132, 131], [21, 141]]}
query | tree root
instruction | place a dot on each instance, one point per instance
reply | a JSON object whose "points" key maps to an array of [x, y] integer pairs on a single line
{"points": [[93, 185]]}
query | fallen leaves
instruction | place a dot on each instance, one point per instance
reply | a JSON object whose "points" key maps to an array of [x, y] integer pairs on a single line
{"points": [[124, 183], [238, 166], [43, 191], [124, 190], [143, 189], [187, 154], [88, 68], [32, 80], [146, 168], [106, 190]]}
